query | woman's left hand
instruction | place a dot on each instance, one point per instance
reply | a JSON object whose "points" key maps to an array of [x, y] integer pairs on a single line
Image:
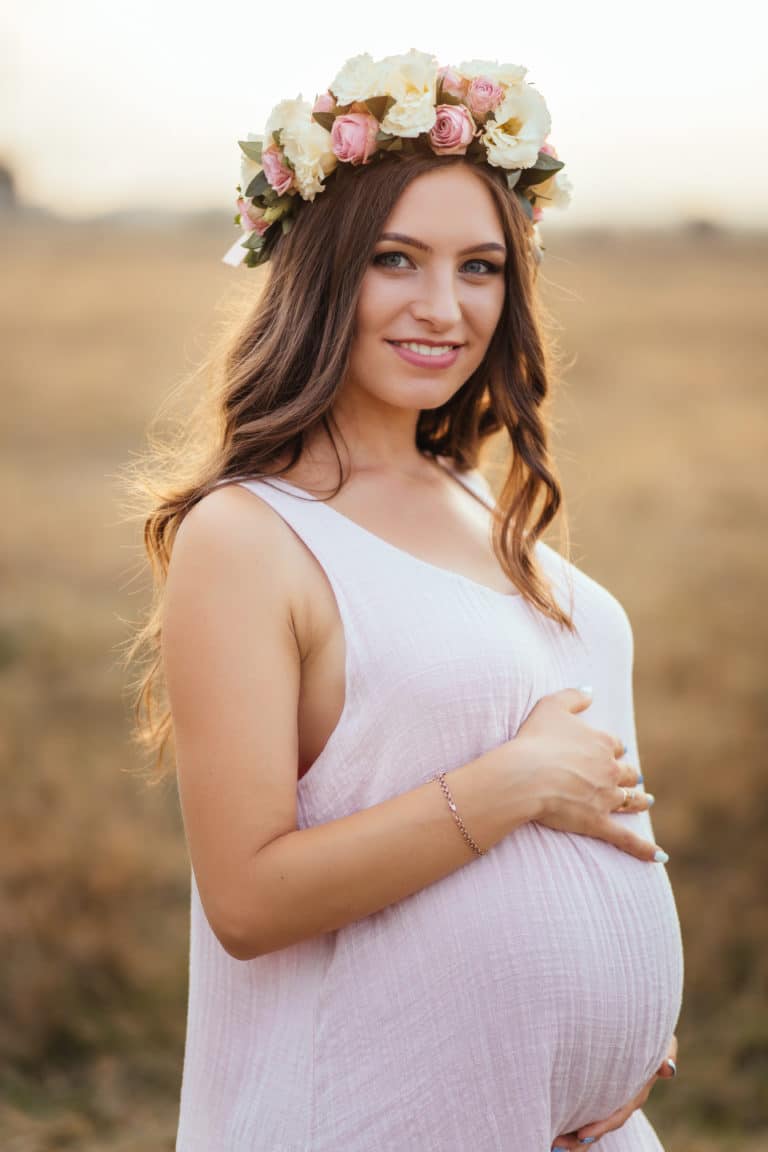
{"points": [[591, 1133]]}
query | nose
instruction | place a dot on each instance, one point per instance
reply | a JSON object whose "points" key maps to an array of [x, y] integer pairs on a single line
{"points": [[438, 303]]}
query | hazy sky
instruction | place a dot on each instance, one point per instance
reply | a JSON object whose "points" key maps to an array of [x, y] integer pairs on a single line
{"points": [[656, 107]]}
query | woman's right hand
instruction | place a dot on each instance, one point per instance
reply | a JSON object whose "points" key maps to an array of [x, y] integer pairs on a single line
{"points": [[576, 774]]}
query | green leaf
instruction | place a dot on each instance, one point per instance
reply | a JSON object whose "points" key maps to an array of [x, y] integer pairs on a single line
{"points": [[547, 163], [448, 98], [525, 204], [513, 177], [252, 149], [277, 137], [533, 176], [384, 138], [324, 119], [254, 242], [378, 106], [544, 167], [281, 206], [261, 256], [286, 224], [254, 258], [258, 186]]}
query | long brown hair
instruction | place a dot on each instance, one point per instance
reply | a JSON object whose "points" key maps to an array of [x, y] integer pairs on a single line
{"points": [[279, 373]]}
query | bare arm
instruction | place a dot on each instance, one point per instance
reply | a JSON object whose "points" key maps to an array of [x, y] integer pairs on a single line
{"points": [[324, 877], [232, 666]]}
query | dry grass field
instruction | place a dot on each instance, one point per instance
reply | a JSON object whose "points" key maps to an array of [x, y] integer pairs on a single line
{"points": [[661, 441]]}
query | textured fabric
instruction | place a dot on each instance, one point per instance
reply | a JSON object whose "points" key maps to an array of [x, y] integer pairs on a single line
{"points": [[533, 990]]}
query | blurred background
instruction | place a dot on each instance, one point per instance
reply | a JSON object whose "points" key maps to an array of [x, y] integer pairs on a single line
{"points": [[118, 163]]}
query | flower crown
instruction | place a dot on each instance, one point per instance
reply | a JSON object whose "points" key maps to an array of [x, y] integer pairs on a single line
{"points": [[402, 105]]}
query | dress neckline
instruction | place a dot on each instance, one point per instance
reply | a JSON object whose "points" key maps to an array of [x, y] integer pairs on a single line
{"points": [[402, 552]]}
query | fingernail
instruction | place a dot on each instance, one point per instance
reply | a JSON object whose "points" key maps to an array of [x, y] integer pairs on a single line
{"points": [[660, 856], [640, 781], [585, 688], [651, 799], [672, 1065], [623, 749], [588, 1140]]}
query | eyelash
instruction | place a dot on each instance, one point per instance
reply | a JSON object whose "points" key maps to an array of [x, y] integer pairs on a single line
{"points": [[491, 269]]}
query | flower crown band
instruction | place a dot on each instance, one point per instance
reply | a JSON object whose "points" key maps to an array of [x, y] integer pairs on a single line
{"points": [[402, 105]]}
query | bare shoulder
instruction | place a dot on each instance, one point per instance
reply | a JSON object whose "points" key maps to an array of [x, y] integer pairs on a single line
{"points": [[233, 546], [231, 518], [231, 530]]}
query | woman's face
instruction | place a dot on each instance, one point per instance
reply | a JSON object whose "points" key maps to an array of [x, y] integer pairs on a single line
{"points": [[433, 292]]}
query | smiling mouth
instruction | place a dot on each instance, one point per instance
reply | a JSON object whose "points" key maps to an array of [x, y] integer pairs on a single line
{"points": [[425, 349]]}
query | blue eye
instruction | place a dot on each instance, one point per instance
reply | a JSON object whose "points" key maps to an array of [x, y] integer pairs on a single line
{"points": [[387, 259], [486, 267]]}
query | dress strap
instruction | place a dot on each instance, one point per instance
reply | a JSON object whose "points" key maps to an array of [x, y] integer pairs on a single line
{"points": [[474, 482]]}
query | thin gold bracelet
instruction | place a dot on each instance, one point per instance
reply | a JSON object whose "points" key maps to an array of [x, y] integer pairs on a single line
{"points": [[452, 805]]}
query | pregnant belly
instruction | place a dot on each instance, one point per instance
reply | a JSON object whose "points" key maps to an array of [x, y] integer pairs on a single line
{"points": [[531, 992]]}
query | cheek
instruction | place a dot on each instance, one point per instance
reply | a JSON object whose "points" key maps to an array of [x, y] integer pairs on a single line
{"points": [[379, 301], [487, 310]]}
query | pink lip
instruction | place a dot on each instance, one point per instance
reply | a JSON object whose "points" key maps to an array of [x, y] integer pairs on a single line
{"points": [[420, 361]]}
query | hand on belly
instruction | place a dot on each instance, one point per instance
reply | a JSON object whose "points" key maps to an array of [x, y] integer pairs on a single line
{"points": [[588, 1133]]}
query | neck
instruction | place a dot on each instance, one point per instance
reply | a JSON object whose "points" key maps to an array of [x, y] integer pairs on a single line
{"points": [[374, 437]]}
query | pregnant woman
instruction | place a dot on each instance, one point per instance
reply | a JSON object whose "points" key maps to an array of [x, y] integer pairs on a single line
{"points": [[428, 911]]}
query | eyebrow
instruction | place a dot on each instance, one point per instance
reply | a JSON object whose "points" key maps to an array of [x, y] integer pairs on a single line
{"points": [[491, 246]]}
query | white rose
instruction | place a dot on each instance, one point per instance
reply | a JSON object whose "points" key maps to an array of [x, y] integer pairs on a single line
{"points": [[308, 147], [555, 192], [410, 117], [310, 172], [286, 115], [309, 178], [492, 70], [357, 80], [411, 72], [249, 168], [520, 125], [412, 80]]}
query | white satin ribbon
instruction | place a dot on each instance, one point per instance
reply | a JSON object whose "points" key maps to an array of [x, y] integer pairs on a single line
{"points": [[237, 253]]}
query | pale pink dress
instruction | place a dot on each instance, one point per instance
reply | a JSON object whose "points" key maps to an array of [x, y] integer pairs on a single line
{"points": [[531, 991]]}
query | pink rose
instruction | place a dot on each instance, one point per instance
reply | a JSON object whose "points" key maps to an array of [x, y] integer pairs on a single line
{"points": [[251, 217], [353, 137], [549, 149], [538, 212], [325, 103], [452, 82], [278, 174], [483, 96], [453, 130]]}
